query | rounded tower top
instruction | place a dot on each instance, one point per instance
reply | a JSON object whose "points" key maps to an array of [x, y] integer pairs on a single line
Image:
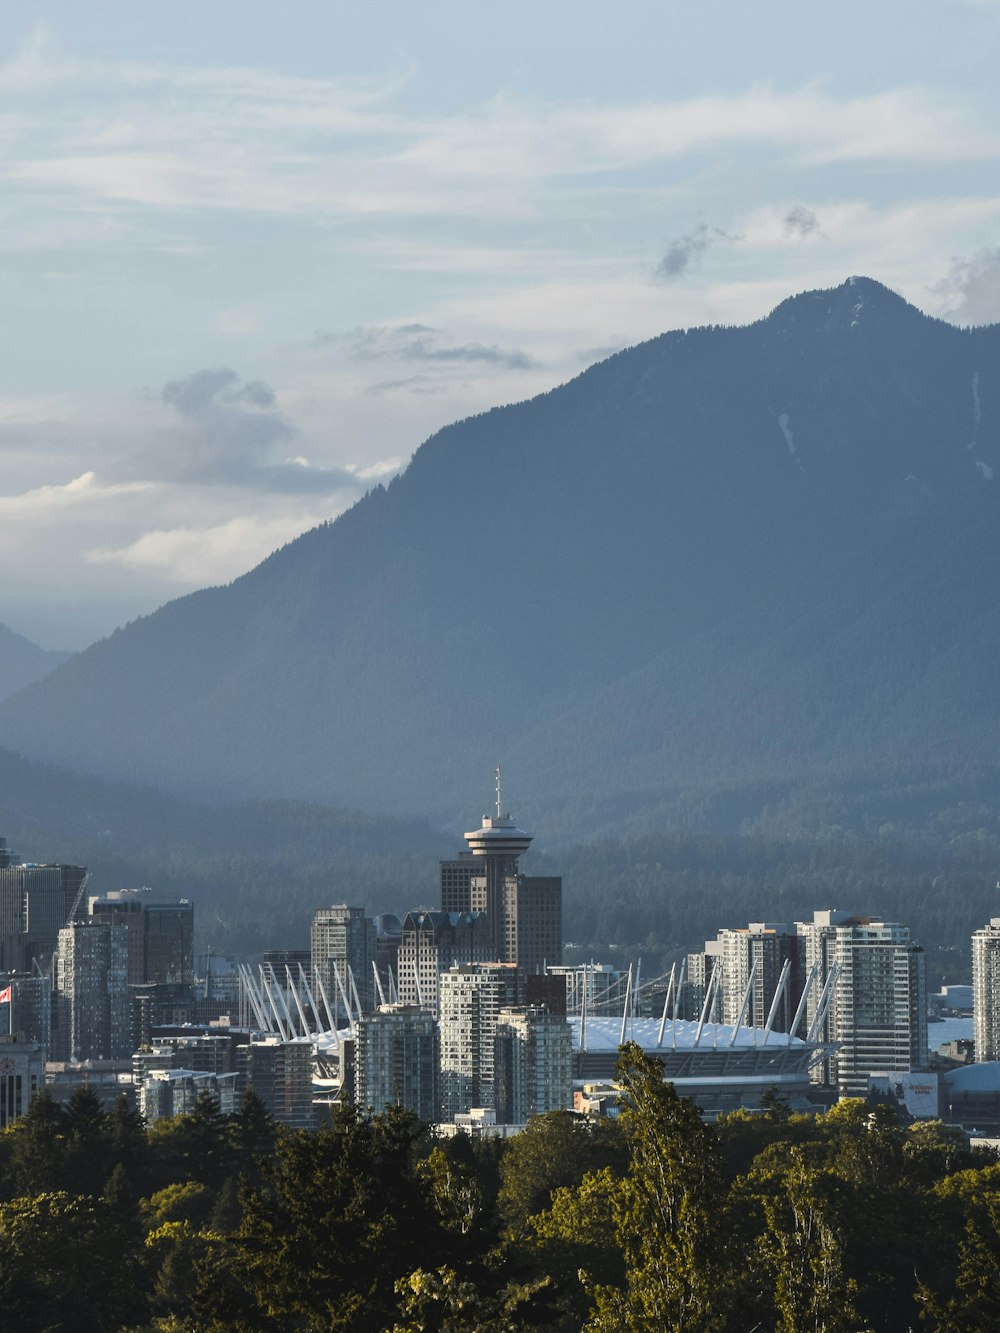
{"points": [[499, 836]]}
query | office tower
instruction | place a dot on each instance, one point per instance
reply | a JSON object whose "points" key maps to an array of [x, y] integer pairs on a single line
{"points": [[986, 991], [762, 948], [343, 938], [396, 1061], [532, 1064], [159, 932], [280, 1073], [430, 943], [878, 1017], [22, 1074], [92, 1003], [525, 912], [7, 857], [35, 902], [471, 997]]}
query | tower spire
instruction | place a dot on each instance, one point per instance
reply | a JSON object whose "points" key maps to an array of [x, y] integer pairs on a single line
{"points": [[499, 811]]}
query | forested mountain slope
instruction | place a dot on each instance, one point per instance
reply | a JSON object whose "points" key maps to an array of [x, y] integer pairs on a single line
{"points": [[725, 555], [23, 662]]}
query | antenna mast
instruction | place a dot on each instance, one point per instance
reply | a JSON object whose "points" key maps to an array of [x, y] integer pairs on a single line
{"points": [[499, 811]]}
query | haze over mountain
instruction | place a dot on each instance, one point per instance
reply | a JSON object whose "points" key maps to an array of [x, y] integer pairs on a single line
{"points": [[725, 555], [23, 662]]}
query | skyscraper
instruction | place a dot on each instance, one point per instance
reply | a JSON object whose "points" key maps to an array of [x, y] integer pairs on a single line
{"points": [[471, 998], [986, 991], [343, 937], [92, 1003], [878, 1017], [396, 1061], [532, 1070], [525, 912], [159, 931], [434, 941], [35, 902], [762, 948]]}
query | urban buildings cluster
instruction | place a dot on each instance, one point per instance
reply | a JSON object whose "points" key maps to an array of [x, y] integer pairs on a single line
{"points": [[464, 1012]]}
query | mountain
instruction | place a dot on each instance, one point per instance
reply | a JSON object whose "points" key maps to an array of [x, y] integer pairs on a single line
{"points": [[256, 872], [23, 662], [726, 555]]}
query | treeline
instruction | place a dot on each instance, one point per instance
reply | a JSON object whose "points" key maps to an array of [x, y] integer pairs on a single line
{"points": [[850, 1221]]}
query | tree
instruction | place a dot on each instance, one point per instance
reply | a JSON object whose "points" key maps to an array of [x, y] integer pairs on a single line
{"points": [[668, 1212], [65, 1263], [341, 1216], [555, 1151]]}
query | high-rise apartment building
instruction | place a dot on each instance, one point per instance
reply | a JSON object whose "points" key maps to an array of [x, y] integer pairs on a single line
{"points": [[342, 950], [92, 1008], [471, 997], [430, 943], [986, 991], [396, 1061], [760, 949], [878, 1015], [532, 1068], [280, 1073]]}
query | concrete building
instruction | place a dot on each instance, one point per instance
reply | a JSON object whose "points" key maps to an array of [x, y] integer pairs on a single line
{"points": [[396, 1061], [430, 943], [159, 933], [762, 948], [342, 948], [878, 1017], [22, 1074], [169, 1092], [471, 997], [92, 1009], [280, 1073], [533, 1064], [986, 991]]}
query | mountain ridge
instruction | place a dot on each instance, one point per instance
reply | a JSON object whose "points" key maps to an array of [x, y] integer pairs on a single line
{"points": [[686, 502]]}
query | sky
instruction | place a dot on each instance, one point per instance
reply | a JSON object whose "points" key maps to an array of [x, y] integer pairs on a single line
{"points": [[251, 257]]}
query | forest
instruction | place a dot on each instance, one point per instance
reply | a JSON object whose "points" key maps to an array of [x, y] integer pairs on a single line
{"points": [[651, 1219]]}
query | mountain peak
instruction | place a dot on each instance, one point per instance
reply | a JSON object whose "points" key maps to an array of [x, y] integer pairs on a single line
{"points": [[858, 302]]}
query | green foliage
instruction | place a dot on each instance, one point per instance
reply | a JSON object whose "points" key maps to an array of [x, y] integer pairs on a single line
{"points": [[555, 1151]]}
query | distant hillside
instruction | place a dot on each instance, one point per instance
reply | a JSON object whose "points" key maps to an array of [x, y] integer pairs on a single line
{"points": [[23, 662], [732, 555], [256, 872]]}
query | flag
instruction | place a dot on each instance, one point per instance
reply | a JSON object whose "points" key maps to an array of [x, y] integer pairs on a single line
{"points": [[5, 996]]}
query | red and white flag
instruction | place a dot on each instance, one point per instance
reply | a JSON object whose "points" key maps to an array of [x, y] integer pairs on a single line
{"points": [[5, 995]]}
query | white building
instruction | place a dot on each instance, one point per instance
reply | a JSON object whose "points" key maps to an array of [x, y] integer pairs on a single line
{"points": [[471, 997], [986, 991], [878, 1016]]}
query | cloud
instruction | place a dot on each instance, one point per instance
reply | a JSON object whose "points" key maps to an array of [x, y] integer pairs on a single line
{"points": [[801, 222], [685, 250], [228, 434], [419, 342], [971, 291], [200, 555]]}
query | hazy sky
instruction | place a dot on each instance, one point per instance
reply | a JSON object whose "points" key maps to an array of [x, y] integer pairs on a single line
{"points": [[251, 255]]}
